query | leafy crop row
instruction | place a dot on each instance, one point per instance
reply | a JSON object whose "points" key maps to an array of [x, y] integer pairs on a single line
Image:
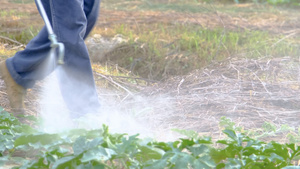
{"points": [[25, 147]]}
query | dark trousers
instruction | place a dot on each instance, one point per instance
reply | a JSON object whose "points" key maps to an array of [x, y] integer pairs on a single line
{"points": [[72, 21]]}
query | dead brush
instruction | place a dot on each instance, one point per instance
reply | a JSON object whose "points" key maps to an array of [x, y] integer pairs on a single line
{"points": [[250, 91]]}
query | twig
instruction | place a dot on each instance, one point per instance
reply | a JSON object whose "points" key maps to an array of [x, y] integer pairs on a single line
{"points": [[292, 34], [136, 78], [238, 72], [3, 93], [125, 98], [112, 81], [11, 40], [180, 83]]}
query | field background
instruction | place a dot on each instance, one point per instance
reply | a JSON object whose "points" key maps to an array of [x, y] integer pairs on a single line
{"points": [[184, 64]]}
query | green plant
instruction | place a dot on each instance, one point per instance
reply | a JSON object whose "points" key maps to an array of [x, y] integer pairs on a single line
{"points": [[244, 152], [10, 129], [99, 148]]}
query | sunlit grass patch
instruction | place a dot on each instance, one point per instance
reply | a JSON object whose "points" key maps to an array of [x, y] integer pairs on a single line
{"points": [[21, 35], [22, 1], [178, 49], [107, 69], [12, 14], [6, 52]]}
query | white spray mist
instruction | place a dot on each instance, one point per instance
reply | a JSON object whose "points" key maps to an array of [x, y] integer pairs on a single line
{"points": [[135, 114], [54, 113], [56, 117]]}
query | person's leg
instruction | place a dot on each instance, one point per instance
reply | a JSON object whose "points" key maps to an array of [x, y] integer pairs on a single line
{"points": [[91, 10], [75, 76], [15, 92], [70, 23], [28, 65], [22, 70]]}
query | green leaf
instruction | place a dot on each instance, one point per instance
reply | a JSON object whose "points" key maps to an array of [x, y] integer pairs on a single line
{"points": [[247, 151], [231, 134], [162, 145], [147, 153], [220, 166], [218, 155], [206, 140], [108, 143], [51, 158], [157, 164], [189, 133], [233, 163], [38, 164], [186, 143], [94, 143], [277, 151], [127, 145], [223, 142], [281, 150], [44, 139], [36, 145], [3, 160], [199, 149], [275, 157], [293, 147], [204, 162], [5, 127], [98, 154], [269, 127], [59, 151], [79, 145], [226, 123], [64, 162], [199, 164], [91, 166], [181, 160]]}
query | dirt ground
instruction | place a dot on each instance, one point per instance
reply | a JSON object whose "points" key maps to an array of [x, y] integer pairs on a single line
{"points": [[250, 92]]}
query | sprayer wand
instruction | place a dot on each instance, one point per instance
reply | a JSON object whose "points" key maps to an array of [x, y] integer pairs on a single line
{"points": [[52, 37]]}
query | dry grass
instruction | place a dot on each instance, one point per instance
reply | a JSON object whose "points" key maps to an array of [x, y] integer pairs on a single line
{"points": [[250, 91]]}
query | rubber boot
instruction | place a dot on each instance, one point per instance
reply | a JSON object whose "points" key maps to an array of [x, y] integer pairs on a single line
{"points": [[15, 92]]}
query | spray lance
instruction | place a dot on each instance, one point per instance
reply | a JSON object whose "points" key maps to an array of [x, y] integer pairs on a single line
{"points": [[52, 37]]}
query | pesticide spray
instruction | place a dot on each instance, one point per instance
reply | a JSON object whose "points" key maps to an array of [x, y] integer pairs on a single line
{"points": [[134, 115], [120, 116], [57, 117]]}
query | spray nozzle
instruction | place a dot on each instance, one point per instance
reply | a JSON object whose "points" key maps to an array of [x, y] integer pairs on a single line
{"points": [[60, 46], [52, 36]]}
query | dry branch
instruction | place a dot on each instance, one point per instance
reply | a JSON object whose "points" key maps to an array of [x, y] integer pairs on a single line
{"points": [[115, 83], [11, 40]]}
